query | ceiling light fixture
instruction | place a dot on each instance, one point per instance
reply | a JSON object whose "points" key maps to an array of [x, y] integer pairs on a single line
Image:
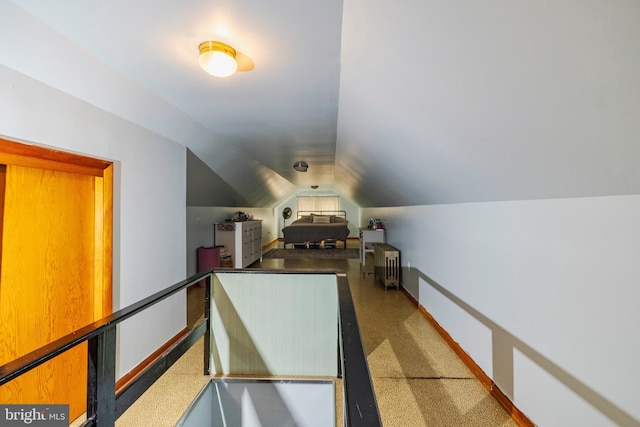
{"points": [[301, 166], [218, 59]]}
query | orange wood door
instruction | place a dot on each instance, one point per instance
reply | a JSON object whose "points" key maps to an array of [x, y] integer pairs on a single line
{"points": [[51, 278]]}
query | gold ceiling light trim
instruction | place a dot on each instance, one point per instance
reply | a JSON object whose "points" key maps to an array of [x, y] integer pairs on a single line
{"points": [[217, 58]]}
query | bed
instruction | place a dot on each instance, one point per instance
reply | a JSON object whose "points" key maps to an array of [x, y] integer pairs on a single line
{"points": [[318, 228]]}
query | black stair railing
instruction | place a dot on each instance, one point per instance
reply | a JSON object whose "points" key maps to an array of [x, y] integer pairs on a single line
{"points": [[104, 405]]}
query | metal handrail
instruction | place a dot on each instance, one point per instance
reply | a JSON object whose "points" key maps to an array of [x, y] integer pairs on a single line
{"points": [[37, 357], [360, 407], [104, 405]]}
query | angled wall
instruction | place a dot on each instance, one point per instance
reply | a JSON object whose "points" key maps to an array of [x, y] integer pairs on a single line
{"points": [[206, 188], [542, 294]]}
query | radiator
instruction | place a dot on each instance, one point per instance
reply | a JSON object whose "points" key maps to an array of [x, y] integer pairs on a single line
{"points": [[386, 264]]}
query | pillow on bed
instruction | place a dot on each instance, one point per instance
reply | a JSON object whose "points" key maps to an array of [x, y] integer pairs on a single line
{"points": [[319, 219], [305, 218]]}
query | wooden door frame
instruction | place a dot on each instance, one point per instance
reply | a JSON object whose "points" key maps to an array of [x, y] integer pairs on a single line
{"points": [[25, 155]]}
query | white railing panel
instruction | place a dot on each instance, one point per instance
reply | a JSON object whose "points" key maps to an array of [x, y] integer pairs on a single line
{"points": [[274, 324]]}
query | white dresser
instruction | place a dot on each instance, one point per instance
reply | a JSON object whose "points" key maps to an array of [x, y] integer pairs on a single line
{"points": [[243, 239]]}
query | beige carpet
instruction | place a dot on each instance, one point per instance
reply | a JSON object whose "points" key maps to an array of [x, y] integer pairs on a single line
{"points": [[417, 378], [168, 398]]}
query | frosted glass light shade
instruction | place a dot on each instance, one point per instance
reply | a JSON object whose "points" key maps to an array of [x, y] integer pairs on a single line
{"points": [[218, 59]]}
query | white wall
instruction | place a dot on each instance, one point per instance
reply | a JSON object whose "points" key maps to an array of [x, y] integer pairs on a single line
{"points": [[149, 199], [542, 294]]}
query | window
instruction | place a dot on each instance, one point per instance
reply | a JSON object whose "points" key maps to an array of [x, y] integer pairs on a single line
{"points": [[318, 204]]}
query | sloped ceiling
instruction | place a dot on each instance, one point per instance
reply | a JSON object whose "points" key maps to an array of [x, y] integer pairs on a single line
{"points": [[206, 188], [478, 101], [390, 103]]}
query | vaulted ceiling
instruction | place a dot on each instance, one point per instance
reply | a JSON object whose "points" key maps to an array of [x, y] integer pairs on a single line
{"points": [[390, 103]]}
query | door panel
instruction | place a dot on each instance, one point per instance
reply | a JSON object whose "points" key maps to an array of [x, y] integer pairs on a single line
{"points": [[48, 279]]}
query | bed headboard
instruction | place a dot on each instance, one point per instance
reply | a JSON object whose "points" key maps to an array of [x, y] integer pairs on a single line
{"points": [[339, 214]]}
